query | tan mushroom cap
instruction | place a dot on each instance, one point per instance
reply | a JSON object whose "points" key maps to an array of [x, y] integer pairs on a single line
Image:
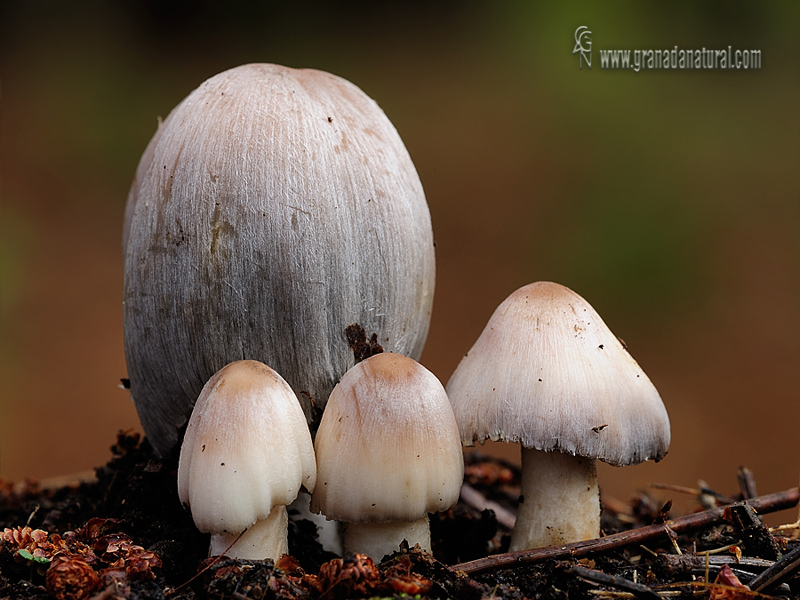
{"points": [[548, 373], [246, 449], [388, 448]]}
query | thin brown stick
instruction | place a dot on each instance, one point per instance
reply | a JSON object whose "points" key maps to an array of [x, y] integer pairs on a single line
{"points": [[478, 501], [747, 483], [763, 505], [779, 572], [637, 589], [681, 489]]}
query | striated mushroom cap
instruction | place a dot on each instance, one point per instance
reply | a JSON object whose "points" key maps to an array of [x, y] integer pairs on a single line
{"points": [[272, 208], [247, 448], [388, 447], [548, 373]]}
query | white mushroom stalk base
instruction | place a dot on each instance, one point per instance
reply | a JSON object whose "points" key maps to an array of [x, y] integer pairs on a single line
{"points": [[377, 540], [266, 538], [560, 500], [329, 533]]}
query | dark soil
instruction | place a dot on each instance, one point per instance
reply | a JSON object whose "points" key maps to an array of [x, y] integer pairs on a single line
{"points": [[126, 535]]}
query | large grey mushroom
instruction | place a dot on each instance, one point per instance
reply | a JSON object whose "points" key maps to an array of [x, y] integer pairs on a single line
{"points": [[273, 208]]}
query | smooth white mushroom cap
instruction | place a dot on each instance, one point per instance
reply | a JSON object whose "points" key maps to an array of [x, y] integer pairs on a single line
{"points": [[246, 449], [388, 447], [548, 373]]}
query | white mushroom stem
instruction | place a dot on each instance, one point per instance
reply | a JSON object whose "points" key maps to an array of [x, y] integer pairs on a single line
{"points": [[377, 540], [266, 538], [560, 500], [329, 532]]}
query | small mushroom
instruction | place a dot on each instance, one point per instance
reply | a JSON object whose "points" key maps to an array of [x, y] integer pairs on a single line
{"points": [[546, 372], [388, 453], [273, 208], [246, 453]]}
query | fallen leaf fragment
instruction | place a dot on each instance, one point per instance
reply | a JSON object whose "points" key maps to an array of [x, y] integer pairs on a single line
{"points": [[727, 585]]}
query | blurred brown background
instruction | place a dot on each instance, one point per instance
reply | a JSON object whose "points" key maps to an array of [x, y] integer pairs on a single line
{"points": [[669, 200]]}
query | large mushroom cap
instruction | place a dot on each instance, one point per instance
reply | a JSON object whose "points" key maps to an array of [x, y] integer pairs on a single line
{"points": [[273, 208], [388, 447], [247, 448], [548, 373]]}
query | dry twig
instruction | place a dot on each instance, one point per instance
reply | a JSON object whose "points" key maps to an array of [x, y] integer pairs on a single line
{"points": [[781, 571], [747, 483], [478, 501], [763, 505], [636, 589]]}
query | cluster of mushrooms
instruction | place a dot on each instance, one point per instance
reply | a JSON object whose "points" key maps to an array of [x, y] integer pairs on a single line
{"points": [[272, 209]]}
